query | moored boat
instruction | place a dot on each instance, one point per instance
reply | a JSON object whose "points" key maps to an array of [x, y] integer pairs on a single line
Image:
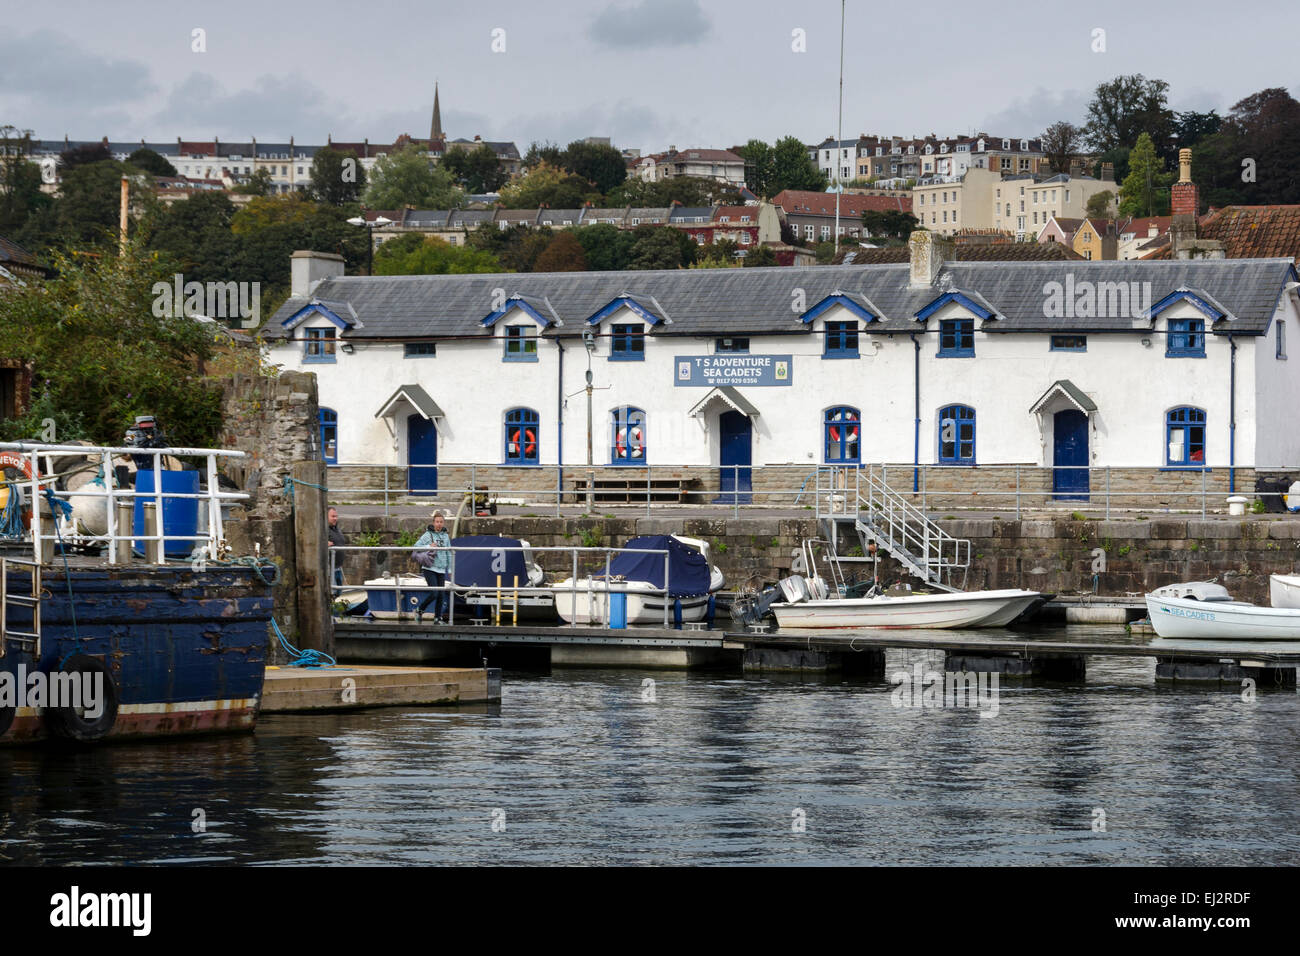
{"points": [[941, 610], [1203, 611], [636, 576], [1284, 590]]}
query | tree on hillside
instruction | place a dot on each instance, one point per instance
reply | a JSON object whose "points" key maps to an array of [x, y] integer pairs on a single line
{"points": [[760, 167], [337, 176], [270, 228], [661, 247], [1100, 205], [1061, 142], [1145, 191], [605, 247], [687, 190], [1124, 108], [547, 185], [83, 156], [546, 152], [761, 256], [415, 255], [151, 162], [602, 166], [563, 254], [1190, 127], [889, 223], [20, 182], [408, 177], [88, 208], [259, 183], [476, 170], [793, 168], [195, 233]]}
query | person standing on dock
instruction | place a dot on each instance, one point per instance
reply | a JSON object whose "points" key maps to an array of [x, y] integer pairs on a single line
{"points": [[435, 562], [336, 538]]}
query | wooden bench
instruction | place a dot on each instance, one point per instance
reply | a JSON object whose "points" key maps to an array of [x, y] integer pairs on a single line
{"points": [[633, 490]]}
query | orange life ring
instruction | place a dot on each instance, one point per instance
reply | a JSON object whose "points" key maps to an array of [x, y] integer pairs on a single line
{"points": [[630, 442], [530, 445], [12, 459]]}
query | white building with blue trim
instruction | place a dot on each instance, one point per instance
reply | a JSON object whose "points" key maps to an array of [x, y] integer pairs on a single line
{"points": [[1176, 365]]}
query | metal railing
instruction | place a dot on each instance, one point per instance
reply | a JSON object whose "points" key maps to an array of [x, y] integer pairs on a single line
{"points": [[1011, 487], [596, 588], [37, 458]]}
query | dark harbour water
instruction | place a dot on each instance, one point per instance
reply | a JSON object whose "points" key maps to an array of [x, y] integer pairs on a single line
{"points": [[711, 772]]}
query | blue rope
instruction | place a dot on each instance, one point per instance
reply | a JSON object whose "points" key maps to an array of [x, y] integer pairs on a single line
{"points": [[11, 520], [308, 658]]}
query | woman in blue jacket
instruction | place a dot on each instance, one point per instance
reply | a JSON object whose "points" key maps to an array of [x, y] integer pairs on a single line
{"points": [[435, 562]]}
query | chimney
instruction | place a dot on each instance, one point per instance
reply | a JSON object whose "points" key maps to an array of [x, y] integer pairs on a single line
{"points": [[1108, 172], [928, 252], [1184, 198], [1076, 168], [310, 269]]}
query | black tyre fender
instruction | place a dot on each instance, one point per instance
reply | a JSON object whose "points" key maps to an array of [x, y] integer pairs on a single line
{"points": [[71, 723]]}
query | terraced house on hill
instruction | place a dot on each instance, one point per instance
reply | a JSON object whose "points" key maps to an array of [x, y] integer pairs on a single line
{"points": [[1172, 366]]}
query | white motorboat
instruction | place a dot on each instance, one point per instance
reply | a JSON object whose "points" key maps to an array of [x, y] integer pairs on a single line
{"points": [[957, 609], [636, 576], [1205, 611], [1284, 590]]}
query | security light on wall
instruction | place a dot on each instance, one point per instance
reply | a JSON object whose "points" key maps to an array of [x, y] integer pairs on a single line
{"points": [[1146, 343], [346, 347]]}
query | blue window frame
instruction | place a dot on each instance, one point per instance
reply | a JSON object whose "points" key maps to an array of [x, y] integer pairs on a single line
{"points": [[1186, 338], [842, 435], [521, 344], [1069, 343], [841, 340], [1281, 338], [956, 338], [1185, 437], [627, 445], [957, 435], [522, 436], [627, 343], [419, 349], [318, 345], [327, 420], [732, 345]]}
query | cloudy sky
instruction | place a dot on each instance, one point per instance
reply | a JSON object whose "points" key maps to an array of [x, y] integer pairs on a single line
{"points": [[648, 73]]}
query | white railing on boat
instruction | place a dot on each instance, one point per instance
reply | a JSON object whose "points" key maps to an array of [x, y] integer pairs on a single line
{"points": [[209, 543]]}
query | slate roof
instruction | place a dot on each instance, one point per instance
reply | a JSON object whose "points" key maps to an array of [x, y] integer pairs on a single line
{"points": [[757, 301], [12, 252], [967, 252], [1250, 231]]}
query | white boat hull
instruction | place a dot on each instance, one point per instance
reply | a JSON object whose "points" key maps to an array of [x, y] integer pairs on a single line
{"points": [[1284, 590], [1221, 620], [583, 606], [956, 610]]}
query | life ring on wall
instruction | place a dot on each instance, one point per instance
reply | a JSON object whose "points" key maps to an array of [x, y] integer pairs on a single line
{"points": [[630, 442], [851, 434], [530, 443], [21, 463]]}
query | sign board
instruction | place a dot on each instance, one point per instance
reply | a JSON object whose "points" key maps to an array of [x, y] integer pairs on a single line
{"points": [[717, 370]]}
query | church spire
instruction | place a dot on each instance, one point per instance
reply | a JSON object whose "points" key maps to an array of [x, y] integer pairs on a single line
{"points": [[435, 132]]}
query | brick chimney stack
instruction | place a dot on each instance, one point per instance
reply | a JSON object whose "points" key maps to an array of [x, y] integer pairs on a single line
{"points": [[1184, 197]]}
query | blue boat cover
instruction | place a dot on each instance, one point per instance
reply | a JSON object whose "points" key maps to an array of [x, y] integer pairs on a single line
{"points": [[480, 568], [688, 572]]}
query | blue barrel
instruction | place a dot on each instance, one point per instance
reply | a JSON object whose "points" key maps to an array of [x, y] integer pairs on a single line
{"points": [[618, 610], [180, 515]]}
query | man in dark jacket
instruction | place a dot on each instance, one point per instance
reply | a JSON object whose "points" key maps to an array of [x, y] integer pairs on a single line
{"points": [[336, 537]]}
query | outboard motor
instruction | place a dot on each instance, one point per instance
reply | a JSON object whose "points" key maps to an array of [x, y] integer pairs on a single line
{"points": [[145, 433]]}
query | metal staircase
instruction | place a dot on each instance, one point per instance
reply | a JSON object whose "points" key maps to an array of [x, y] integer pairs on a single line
{"points": [[858, 503]]}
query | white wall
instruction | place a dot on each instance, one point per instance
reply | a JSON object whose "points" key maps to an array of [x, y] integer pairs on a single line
{"points": [[1132, 385]]}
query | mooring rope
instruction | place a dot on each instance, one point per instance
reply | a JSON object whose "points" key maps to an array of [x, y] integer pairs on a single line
{"points": [[300, 658]]}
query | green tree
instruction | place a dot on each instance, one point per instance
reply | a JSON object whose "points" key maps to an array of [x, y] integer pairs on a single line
{"points": [[337, 176], [547, 152], [760, 167], [687, 190], [407, 177], [477, 170], [151, 162], [415, 255], [1099, 205], [661, 247], [1061, 142], [196, 234], [889, 223], [84, 156], [563, 254], [101, 356], [88, 209], [1144, 191], [547, 185], [719, 254], [602, 166], [258, 184], [270, 228], [761, 256], [1124, 108], [605, 247], [20, 182], [793, 168]]}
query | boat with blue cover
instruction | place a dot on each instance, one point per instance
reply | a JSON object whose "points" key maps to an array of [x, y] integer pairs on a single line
{"points": [[663, 579]]}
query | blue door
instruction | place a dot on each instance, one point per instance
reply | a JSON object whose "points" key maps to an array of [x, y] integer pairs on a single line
{"points": [[1070, 456], [735, 458], [421, 455]]}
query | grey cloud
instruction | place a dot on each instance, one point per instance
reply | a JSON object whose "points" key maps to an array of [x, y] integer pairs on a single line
{"points": [[276, 106], [51, 74], [651, 24], [1029, 116]]}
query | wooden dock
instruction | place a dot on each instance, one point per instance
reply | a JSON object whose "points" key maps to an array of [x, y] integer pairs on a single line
{"points": [[351, 687]]}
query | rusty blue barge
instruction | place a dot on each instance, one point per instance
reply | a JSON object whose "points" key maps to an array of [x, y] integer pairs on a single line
{"points": [[112, 640]]}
